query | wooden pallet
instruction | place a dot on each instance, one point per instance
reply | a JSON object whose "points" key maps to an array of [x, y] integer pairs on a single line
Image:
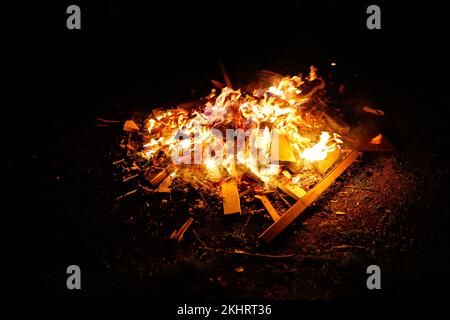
{"points": [[312, 195]]}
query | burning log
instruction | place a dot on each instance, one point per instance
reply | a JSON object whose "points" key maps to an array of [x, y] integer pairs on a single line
{"points": [[130, 126], [178, 234], [230, 195], [335, 121], [270, 209], [293, 212], [323, 165], [292, 190]]}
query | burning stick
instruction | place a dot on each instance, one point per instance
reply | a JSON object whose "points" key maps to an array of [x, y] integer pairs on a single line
{"points": [[230, 194], [311, 196], [270, 209], [178, 234]]}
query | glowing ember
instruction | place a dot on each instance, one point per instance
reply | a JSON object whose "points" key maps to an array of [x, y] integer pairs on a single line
{"points": [[377, 140], [232, 133]]}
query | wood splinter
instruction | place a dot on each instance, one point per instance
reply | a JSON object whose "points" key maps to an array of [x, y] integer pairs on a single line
{"points": [[178, 234], [130, 126]]}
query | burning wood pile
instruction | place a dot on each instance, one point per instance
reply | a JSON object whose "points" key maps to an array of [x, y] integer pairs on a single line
{"points": [[281, 135]]}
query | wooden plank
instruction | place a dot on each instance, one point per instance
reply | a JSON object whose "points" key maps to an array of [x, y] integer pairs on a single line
{"points": [[293, 212], [284, 151], [323, 165], [156, 178], [292, 190], [335, 121], [230, 195], [269, 207]]}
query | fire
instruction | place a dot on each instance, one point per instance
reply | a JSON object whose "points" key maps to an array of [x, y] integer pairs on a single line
{"points": [[320, 150], [197, 137]]}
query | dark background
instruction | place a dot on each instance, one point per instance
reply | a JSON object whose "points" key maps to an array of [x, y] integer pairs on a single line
{"points": [[131, 55]]}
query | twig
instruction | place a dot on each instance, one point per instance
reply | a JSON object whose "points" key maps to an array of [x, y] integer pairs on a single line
{"points": [[201, 194], [251, 254], [236, 251], [245, 225], [243, 193], [118, 161], [204, 186], [130, 177], [198, 238], [126, 194], [285, 201], [361, 188], [107, 121], [346, 246], [178, 234]]}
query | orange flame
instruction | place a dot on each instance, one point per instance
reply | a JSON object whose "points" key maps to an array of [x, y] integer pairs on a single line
{"points": [[278, 107]]}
